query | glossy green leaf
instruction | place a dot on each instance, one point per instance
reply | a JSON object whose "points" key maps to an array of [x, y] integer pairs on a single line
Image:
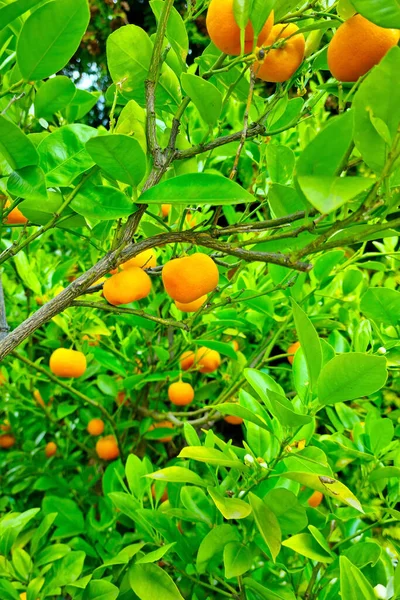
{"points": [[262, 382], [196, 188], [63, 155], [69, 520], [263, 593], [150, 581], [50, 37], [152, 557], [351, 375], [230, 508], [214, 543], [353, 584], [377, 97], [12, 11], [234, 409], [102, 202], [283, 410], [259, 13], [306, 545], [363, 553], [205, 96], [384, 473], [291, 515], [132, 122], [382, 305], [129, 51], [120, 156], [237, 559], [27, 275], [310, 343], [327, 194], [41, 212], [222, 347], [325, 484], [385, 13], [28, 182], [280, 163], [81, 104], [101, 590], [54, 95], [176, 32], [210, 456], [267, 524], [64, 572], [15, 147], [177, 475]]}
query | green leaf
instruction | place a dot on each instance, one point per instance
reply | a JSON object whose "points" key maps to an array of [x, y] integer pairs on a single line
{"points": [[120, 156], [177, 475], [327, 194], [11, 527], [262, 592], [12, 11], [24, 269], [152, 557], [28, 182], [326, 263], [353, 584], [15, 147], [283, 410], [234, 409], [261, 383], [379, 98], [237, 559], [50, 37], [176, 30], [241, 12], [135, 470], [150, 582], [100, 590], [384, 473], [310, 343], [81, 104], [385, 13], [306, 545], [382, 305], [325, 484], [211, 457], [22, 563], [132, 122], [129, 51], [205, 96], [284, 200], [196, 188], [213, 545], [230, 508], [267, 524], [259, 13], [64, 572], [221, 347], [280, 163], [291, 515], [40, 533], [54, 95], [351, 375], [63, 155], [102, 202], [69, 519], [126, 503]]}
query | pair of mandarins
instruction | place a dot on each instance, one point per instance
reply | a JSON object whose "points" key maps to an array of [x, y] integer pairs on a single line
{"points": [[355, 48]]}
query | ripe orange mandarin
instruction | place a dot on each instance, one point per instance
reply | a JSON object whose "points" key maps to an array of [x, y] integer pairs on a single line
{"points": [[51, 449], [191, 307], [107, 448], [127, 286], [180, 393], [67, 363], [187, 279], [95, 427], [207, 360], [187, 360], [165, 210], [232, 420], [15, 217], [225, 32], [315, 499], [163, 425], [357, 46], [7, 440], [292, 351], [281, 63], [145, 260]]}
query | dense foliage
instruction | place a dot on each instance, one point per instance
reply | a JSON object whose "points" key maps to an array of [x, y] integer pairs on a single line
{"points": [[225, 425]]}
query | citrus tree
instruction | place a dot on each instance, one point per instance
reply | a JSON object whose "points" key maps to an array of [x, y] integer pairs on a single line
{"points": [[199, 313]]}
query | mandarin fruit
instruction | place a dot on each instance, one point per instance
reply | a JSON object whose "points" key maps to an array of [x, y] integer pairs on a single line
{"points": [[7, 440], [232, 420], [127, 286], [225, 32], [187, 360], [107, 448], [145, 260], [67, 363], [187, 279], [207, 360], [281, 63], [51, 449], [163, 425], [357, 46], [292, 351], [191, 307], [165, 210], [95, 427], [315, 499], [15, 217], [180, 393]]}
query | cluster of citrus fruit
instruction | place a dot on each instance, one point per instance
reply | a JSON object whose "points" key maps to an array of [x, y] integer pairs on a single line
{"points": [[355, 48]]}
